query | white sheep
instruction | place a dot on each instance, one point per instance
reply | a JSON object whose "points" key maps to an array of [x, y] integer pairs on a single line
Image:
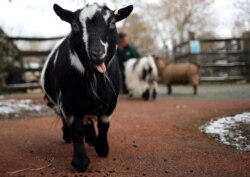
{"points": [[141, 77]]}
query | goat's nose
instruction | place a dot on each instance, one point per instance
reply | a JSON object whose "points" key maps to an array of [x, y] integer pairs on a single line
{"points": [[97, 52]]}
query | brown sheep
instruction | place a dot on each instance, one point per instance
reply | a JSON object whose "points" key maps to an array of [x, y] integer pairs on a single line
{"points": [[180, 73]]}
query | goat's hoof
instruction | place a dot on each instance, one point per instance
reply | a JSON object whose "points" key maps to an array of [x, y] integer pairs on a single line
{"points": [[102, 149], [146, 95], [80, 164]]}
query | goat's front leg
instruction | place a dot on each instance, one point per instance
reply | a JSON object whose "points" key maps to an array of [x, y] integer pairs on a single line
{"points": [[80, 159], [101, 145], [66, 132]]}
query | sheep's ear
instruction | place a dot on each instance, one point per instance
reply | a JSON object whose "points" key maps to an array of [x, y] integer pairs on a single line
{"points": [[120, 14], [64, 14]]}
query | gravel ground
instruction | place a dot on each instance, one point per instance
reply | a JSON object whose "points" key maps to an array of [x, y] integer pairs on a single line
{"points": [[155, 138]]}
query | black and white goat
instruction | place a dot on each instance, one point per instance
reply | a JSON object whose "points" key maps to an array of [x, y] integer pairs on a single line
{"points": [[81, 77], [141, 77]]}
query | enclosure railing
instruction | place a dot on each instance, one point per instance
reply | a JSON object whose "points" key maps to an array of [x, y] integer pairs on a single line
{"points": [[219, 59], [38, 55], [34, 52]]}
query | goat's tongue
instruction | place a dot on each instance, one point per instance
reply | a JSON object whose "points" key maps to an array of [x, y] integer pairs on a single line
{"points": [[101, 68]]}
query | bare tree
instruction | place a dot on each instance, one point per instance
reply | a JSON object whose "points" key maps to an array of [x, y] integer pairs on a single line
{"points": [[153, 15], [181, 16], [242, 23], [139, 33], [244, 7], [239, 27]]}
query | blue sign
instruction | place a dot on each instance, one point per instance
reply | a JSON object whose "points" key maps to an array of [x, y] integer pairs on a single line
{"points": [[195, 47]]}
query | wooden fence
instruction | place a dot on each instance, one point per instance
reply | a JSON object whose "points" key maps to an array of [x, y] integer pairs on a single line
{"points": [[40, 56], [219, 59]]}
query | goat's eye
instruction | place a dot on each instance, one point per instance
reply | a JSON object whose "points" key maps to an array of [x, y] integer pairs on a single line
{"points": [[112, 24]]}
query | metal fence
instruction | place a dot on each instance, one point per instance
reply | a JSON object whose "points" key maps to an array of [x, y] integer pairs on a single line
{"points": [[219, 59]]}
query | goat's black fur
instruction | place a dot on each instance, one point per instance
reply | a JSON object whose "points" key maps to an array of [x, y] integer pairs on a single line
{"points": [[82, 77]]}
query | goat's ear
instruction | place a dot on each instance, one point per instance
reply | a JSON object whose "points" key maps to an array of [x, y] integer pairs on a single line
{"points": [[120, 14], [64, 14]]}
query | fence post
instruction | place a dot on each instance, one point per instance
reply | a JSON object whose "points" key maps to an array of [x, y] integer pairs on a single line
{"points": [[246, 48], [1, 81], [194, 56]]}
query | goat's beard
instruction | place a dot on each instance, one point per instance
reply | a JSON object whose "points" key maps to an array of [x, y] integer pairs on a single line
{"points": [[94, 85]]}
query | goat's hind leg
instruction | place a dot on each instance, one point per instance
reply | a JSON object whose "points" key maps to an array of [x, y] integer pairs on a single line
{"points": [[66, 128], [67, 137], [101, 145], [90, 133]]}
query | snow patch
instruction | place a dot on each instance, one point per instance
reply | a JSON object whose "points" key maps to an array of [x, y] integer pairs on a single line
{"points": [[231, 130], [15, 108]]}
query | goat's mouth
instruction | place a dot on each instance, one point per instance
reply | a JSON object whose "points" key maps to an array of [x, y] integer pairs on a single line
{"points": [[101, 67]]}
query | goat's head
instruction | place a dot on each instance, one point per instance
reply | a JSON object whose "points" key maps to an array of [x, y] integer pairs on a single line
{"points": [[94, 35]]}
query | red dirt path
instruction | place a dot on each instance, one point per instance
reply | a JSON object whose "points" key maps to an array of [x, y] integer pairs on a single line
{"points": [[154, 139]]}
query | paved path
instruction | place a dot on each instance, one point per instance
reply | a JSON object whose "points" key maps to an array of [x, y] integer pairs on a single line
{"points": [[156, 138], [209, 91]]}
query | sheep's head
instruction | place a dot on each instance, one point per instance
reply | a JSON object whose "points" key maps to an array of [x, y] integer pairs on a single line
{"points": [[94, 35], [148, 69], [161, 64]]}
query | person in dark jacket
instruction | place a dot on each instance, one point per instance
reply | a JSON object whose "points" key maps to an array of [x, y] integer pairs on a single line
{"points": [[125, 52]]}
